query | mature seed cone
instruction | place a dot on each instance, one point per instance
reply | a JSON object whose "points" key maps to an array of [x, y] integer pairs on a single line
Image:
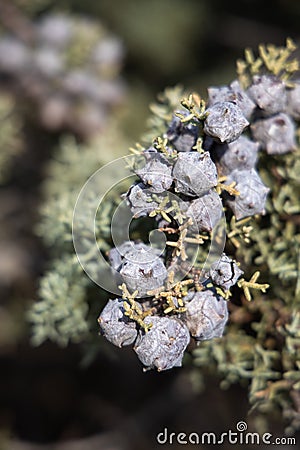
{"points": [[205, 211], [194, 173], [163, 346], [225, 121], [225, 272], [183, 136], [276, 134], [252, 193], [157, 172], [143, 270], [269, 94], [115, 326], [234, 94], [239, 154], [206, 315]]}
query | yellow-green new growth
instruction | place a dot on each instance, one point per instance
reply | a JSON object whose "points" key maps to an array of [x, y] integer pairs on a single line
{"points": [[275, 60], [239, 229], [230, 188], [133, 310], [196, 107], [171, 292], [161, 209], [251, 284], [161, 145]]}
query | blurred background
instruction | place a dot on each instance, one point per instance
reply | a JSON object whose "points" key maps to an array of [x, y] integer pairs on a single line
{"points": [[74, 69]]}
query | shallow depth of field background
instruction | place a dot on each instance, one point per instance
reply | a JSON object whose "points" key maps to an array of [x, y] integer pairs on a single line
{"points": [[52, 398]]}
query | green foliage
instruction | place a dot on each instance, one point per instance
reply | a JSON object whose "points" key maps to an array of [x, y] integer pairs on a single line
{"points": [[10, 132], [275, 239], [278, 61], [62, 312], [162, 112], [261, 344]]}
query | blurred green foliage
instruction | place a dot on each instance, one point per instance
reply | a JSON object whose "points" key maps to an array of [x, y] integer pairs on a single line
{"points": [[166, 42], [62, 314], [10, 136]]}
